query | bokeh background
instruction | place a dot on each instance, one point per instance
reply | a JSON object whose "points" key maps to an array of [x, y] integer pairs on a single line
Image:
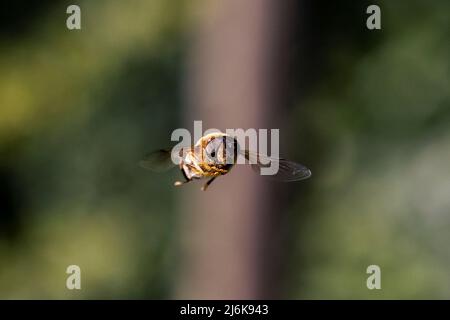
{"points": [[367, 111]]}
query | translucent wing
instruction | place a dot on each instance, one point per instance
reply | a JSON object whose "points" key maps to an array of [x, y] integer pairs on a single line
{"points": [[159, 160], [287, 170], [291, 171]]}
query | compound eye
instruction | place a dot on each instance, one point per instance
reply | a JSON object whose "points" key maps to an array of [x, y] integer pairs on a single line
{"points": [[211, 149]]}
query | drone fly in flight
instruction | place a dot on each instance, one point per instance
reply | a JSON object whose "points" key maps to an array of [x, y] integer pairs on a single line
{"points": [[215, 155]]}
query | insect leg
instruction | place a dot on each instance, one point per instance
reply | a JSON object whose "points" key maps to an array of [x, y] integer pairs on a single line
{"points": [[179, 183], [208, 183]]}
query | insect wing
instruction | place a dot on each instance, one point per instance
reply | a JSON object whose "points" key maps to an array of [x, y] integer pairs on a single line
{"points": [[287, 170], [290, 171], [161, 160]]}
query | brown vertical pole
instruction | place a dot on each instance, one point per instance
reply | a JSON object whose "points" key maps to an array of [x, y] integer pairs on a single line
{"points": [[233, 82]]}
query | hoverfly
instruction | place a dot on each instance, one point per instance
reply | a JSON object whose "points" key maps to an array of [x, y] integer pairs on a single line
{"points": [[214, 155]]}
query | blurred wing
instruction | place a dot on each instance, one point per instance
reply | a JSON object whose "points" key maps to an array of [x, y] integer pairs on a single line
{"points": [[287, 170], [290, 171], [159, 160]]}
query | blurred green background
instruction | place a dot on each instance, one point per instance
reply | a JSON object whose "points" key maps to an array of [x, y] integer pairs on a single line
{"points": [[78, 109]]}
